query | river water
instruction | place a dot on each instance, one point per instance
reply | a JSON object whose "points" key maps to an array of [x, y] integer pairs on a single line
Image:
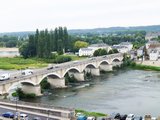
{"points": [[123, 91]]}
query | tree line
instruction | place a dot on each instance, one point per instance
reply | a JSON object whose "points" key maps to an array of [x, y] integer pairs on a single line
{"points": [[44, 42]]}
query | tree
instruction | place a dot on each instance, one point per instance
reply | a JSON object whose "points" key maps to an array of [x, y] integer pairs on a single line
{"points": [[102, 52], [80, 44], [110, 52], [96, 53], [115, 51]]}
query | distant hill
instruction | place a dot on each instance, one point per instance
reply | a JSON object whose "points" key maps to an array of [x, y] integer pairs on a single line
{"points": [[19, 34], [153, 28]]}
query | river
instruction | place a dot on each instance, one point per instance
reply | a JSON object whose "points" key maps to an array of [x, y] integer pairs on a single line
{"points": [[123, 91]]}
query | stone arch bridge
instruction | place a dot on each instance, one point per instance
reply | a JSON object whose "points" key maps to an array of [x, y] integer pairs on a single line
{"points": [[55, 75]]}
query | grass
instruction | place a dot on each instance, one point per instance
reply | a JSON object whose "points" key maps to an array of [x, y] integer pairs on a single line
{"points": [[96, 114], [75, 57], [20, 63], [146, 67]]}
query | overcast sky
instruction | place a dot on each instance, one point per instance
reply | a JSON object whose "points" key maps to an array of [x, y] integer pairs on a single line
{"points": [[27, 15]]}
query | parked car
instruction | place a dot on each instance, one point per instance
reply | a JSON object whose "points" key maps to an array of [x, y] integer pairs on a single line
{"points": [[138, 118], [23, 116], [153, 118], [91, 118], [82, 117], [123, 117], [115, 116], [147, 117], [130, 117], [8, 115]]}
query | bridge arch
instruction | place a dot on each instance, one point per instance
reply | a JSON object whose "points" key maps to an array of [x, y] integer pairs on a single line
{"points": [[19, 85], [116, 60], [53, 75], [104, 62], [72, 69], [90, 65]]}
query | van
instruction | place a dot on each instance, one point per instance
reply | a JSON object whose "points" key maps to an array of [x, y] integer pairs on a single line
{"points": [[27, 72], [5, 76]]}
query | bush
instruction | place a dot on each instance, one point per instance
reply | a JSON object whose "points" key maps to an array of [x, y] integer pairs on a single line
{"points": [[15, 94], [62, 59], [30, 95]]}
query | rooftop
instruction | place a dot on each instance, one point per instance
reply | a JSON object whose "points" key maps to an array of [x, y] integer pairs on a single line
{"points": [[99, 45], [125, 43], [86, 49]]}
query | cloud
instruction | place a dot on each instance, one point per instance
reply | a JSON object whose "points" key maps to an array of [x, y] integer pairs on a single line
{"points": [[21, 15]]}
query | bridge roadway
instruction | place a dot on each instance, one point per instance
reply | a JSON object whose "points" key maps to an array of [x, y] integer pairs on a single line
{"points": [[58, 72], [60, 66]]}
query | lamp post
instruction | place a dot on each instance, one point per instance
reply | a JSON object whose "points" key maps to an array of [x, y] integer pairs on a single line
{"points": [[48, 114]]}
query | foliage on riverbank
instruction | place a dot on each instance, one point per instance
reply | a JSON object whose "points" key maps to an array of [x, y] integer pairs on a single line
{"points": [[23, 95], [145, 67], [96, 114]]}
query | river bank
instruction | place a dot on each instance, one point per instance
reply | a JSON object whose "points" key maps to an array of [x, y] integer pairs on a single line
{"points": [[147, 65]]}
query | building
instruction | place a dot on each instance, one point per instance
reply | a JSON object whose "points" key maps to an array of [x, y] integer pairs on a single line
{"points": [[90, 49], [86, 52], [100, 46], [153, 55], [140, 51], [120, 48], [127, 44]]}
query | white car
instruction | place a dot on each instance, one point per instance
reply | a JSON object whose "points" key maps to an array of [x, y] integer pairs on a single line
{"points": [[91, 118], [23, 116], [130, 117]]}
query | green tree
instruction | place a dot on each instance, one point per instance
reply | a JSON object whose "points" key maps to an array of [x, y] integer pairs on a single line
{"points": [[80, 44]]}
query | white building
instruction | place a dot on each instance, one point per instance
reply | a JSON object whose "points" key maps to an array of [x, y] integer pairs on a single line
{"points": [[120, 48], [153, 55], [100, 46], [90, 49], [86, 52], [140, 51], [127, 44]]}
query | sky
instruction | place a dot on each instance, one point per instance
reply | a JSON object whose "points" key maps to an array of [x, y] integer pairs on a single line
{"points": [[28, 15]]}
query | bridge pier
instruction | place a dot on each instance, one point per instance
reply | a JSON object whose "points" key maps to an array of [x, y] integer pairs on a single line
{"points": [[106, 67], [117, 64], [93, 71], [56, 82], [32, 89], [79, 76]]}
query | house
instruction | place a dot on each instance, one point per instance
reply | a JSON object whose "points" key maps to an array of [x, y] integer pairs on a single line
{"points": [[90, 49], [100, 46], [120, 48], [153, 55], [86, 52], [127, 44], [140, 51]]}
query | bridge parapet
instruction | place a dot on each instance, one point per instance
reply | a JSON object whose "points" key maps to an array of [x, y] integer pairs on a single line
{"points": [[59, 113]]}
